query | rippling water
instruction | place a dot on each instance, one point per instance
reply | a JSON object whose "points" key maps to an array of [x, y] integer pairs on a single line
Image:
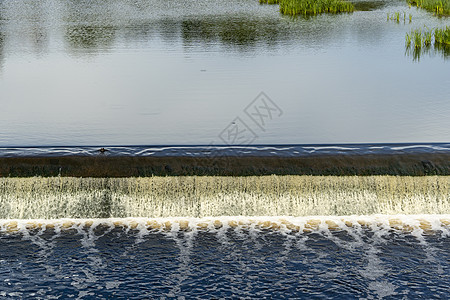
{"points": [[213, 150], [182, 72], [244, 237], [179, 72], [329, 257]]}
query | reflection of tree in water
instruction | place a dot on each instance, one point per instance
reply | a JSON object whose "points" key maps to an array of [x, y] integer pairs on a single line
{"points": [[169, 30], [91, 26], [90, 37], [142, 32], [2, 41], [240, 33], [369, 5]]}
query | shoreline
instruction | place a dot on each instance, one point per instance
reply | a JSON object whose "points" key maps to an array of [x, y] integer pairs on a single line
{"points": [[134, 166]]}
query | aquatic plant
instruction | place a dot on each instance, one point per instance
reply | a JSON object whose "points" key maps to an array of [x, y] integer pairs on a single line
{"points": [[427, 36], [314, 7], [408, 40], [417, 38], [396, 17], [439, 7], [208, 196], [424, 40], [442, 36]]}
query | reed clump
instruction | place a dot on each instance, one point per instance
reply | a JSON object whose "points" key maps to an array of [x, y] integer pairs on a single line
{"points": [[398, 16], [314, 7], [209, 196], [439, 7], [311, 7], [442, 36], [420, 39]]}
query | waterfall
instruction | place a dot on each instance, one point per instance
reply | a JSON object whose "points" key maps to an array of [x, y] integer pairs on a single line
{"points": [[191, 196]]}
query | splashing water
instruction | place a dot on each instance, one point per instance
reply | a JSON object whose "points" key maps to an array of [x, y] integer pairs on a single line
{"points": [[53, 198], [340, 237], [325, 256]]}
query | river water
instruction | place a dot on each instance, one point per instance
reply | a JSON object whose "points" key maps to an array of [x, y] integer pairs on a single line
{"points": [[80, 74], [330, 257], [366, 237], [153, 72]]}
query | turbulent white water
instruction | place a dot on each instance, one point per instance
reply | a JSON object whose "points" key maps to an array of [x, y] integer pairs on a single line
{"points": [[408, 223], [156, 197], [225, 237], [368, 257]]}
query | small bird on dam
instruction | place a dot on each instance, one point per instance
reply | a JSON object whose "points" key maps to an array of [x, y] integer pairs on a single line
{"points": [[102, 150]]}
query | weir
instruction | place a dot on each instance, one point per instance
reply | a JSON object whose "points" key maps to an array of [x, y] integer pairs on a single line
{"points": [[292, 231], [199, 197]]}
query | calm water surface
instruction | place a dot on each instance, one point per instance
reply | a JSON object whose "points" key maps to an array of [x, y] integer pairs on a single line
{"points": [[178, 72]]}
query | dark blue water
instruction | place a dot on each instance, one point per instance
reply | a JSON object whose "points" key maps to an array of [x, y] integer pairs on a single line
{"points": [[228, 150], [113, 262]]}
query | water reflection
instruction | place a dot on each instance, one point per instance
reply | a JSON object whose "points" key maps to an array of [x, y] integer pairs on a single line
{"points": [[39, 33], [90, 37], [416, 54], [2, 41], [238, 34], [176, 72], [241, 34], [168, 30], [87, 27], [99, 26], [369, 5]]}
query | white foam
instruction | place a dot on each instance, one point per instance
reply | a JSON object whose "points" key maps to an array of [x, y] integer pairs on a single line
{"points": [[417, 225]]}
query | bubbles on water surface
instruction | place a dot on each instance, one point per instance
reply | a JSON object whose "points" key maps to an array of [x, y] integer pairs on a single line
{"points": [[356, 257]]}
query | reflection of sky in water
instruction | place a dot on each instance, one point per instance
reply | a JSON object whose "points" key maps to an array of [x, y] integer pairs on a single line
{"points": [[158, 72]]}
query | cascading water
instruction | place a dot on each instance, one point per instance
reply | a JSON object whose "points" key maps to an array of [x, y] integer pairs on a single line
{"points": [[222, 237], [155, 197]]}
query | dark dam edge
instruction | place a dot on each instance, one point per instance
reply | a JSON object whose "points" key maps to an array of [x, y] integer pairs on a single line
{"points": [[127, 166]]}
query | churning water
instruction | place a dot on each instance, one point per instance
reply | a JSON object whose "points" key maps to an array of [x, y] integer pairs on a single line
{"points": [[178, 72], [322, 257], [191, 196], [341, 237]]}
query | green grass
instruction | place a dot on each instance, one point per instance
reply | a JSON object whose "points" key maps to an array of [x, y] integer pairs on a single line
{"points": [[420, 42], [397, 16], [442, 36], [311, 7], [314, 7], [422, 39], [439, 7]]}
